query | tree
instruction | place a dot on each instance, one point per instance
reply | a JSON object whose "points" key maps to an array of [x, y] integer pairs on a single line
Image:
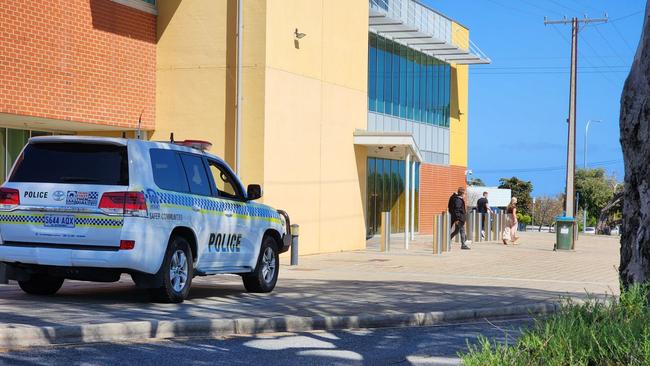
{"points": [[546, 209], [595, 188], [478, 182], [635, 134], [520, 189]]}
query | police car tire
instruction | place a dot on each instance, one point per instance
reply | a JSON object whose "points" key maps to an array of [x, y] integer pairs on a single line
{"points": [[167, 293], [254, 281], [41, 285]]}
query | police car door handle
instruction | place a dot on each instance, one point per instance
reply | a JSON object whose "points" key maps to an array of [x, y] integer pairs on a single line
{"points": [[228, 213], [196, 208]]}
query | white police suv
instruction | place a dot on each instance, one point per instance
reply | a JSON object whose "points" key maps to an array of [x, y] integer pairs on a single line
{"points": [[90, 208]]}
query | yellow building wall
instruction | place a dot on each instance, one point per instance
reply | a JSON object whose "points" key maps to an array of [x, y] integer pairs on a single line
{"points": [[191, 71], [458, 104], [316, 96]]}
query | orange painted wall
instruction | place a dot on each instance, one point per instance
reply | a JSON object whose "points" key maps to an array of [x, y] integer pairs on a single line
{"points": [[90, 61], [437, 183]]}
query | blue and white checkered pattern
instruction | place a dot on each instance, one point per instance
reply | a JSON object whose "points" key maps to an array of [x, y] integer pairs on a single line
{"points": [[18, 218], [217, 204]]}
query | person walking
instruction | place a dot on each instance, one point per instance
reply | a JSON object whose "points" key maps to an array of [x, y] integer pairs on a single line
{"points": [[456, 207], [483, 208], [510, 230]]}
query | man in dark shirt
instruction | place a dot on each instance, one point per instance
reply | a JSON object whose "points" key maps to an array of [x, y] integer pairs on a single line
{"points": [[456, 207], [483, 207]]}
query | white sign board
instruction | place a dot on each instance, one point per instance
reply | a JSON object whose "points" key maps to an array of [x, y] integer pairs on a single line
{"points": [[497, 197]]}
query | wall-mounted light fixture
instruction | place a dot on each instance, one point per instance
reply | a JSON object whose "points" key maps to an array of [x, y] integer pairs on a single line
{"points": [[299, 35]]}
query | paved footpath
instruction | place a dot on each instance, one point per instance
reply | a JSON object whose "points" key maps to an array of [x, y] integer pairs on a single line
{"points": [[349, 283]]}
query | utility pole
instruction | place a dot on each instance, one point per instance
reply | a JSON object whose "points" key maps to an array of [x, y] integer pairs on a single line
{"points": [[571, 138]]}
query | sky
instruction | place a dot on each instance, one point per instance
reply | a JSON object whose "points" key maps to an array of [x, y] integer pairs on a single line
{"points": [[518, 105]]}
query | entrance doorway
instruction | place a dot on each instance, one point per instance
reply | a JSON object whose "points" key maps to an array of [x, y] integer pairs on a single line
{"points": [[385, 190]]}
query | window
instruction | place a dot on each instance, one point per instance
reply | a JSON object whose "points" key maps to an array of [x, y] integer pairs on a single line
{"points": [[168, 171], [72, 162], [148, 6], [406, 83], [226, 183], [197, 178], [372, 73]]}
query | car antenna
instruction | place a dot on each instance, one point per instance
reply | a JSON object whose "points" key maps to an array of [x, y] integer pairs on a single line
{"points": [[138, 132], [171, 137]]}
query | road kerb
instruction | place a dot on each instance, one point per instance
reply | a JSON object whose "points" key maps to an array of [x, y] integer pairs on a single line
{"points": [[28, 336]]}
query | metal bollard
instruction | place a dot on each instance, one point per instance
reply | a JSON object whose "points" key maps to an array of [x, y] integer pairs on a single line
{"points": [[488, 227], [3, 274], [444, 233], [477, 227], [384, 245], [295, 233], [469, 226], [434, 235]]}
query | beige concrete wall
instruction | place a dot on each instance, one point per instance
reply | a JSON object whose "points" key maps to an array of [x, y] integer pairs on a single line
{"points": [[302, 102], [458, 106], [197, 73], [316, 96], [191, 71]]}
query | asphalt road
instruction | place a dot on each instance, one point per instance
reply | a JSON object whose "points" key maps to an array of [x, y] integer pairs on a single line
{"points": [[438, 345]]}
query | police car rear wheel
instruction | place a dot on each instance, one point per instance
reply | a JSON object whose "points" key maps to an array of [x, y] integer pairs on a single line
{"points": [[41, 285], [177, 272], [265, 276]]}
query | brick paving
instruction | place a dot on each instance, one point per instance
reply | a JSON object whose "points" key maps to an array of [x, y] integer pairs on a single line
{"points": [[350, 283]]}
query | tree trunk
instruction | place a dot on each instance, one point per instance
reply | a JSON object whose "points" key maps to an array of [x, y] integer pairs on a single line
{"points": [[635, 141]]}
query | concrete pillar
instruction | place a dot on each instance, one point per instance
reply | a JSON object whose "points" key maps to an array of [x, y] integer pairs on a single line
{"points": [[413, 200]]}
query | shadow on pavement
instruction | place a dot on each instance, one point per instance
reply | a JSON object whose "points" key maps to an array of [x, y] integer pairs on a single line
{"points": [[224, 297]]}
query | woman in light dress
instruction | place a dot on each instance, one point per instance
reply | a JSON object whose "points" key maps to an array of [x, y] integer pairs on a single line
{"points": [[510, 230]]}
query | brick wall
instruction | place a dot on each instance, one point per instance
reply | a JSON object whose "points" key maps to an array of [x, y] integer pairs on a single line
{"points": [[90, 61], [437, 183]]}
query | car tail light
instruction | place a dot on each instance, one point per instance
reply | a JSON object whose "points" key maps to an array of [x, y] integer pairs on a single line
{"points": [[127, 244], [9, 198], [124, 203]]}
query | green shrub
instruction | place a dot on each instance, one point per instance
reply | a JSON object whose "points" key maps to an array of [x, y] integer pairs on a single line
{"points": [[596, 332]]}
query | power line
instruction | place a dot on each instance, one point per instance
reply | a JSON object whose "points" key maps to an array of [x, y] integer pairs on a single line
{"points": [[602, 73], [541, 8], [564, 6], [549, 67], [597, 55], [626, 16], [622, 37], [608, 43], [513, 9], [597, 164]]}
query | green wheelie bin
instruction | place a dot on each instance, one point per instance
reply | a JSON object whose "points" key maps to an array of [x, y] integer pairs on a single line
{"points": [[565, 230]]}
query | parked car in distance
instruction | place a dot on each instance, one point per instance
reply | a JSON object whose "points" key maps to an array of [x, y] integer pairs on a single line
{"points": [[590, 230]]}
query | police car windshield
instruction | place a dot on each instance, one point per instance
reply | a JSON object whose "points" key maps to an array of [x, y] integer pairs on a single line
{"points": [[71, 162]]}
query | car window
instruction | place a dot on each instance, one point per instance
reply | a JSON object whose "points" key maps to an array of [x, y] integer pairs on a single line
{"points": [[197, 178], [225, 181], [168, 171], [73, 162]]}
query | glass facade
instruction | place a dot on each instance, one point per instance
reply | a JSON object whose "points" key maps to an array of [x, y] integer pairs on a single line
{"points": [[385, 192], [406, 83]]}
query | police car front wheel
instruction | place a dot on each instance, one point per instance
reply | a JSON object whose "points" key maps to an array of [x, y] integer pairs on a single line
{"points": [[265, 276]]}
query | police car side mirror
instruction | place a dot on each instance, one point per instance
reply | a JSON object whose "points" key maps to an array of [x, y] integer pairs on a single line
{"points": [[253, 192]]}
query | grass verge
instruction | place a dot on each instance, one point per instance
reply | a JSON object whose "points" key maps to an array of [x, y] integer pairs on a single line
{"points": [[596, 332]]}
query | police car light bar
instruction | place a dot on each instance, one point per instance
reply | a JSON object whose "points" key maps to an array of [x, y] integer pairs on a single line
{"points": [[195, 144]]}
